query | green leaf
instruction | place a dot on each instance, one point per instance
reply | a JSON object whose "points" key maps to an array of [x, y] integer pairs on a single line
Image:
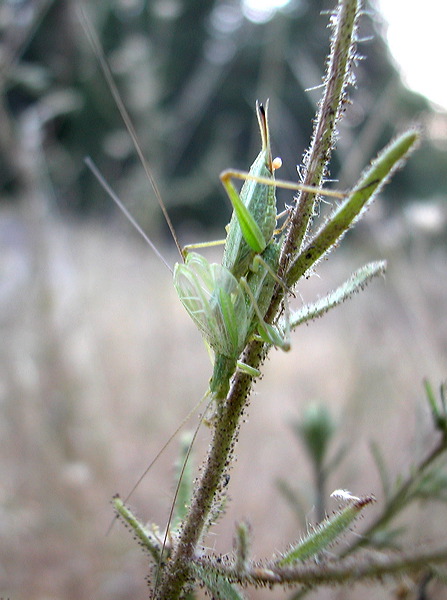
{"points": [[354, 284], [147, 539], [325, 533], [375, 177], [220, 587]]}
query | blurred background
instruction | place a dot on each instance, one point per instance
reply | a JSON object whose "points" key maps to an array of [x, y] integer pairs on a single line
{"points": [[99, 361]]}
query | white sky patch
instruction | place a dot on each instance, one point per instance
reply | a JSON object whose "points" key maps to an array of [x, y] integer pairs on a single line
{"points": [[261, 11], [418, 41]]}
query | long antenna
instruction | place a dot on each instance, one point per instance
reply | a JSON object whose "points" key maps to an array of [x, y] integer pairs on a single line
{"points": [[159, 453], [94, 41], [94, 169]]}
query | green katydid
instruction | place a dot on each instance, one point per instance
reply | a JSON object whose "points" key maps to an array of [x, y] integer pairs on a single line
{"points": [[252, 235], [228, 302], [249, 248]]}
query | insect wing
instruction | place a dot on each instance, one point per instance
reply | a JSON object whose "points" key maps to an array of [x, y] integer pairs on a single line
{"points": [[214, 301], [230, 312]]}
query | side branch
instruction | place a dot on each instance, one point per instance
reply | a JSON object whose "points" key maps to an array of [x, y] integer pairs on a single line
{"points": [[337, 572]]}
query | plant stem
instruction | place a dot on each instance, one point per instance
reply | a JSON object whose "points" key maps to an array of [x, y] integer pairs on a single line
{"points": [[337, 572], [330, 107], [319, 153]]}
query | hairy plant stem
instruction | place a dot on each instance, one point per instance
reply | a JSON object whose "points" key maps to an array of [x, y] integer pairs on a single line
{"points": [[177, 572], [330, 108], [363, 568], [319, 153]]}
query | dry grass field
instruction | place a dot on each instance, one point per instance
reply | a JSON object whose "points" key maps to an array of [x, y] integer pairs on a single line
{"points": [[100, 363]]}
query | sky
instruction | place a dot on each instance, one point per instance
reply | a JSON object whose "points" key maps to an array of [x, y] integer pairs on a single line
{"points": [[416, 36], [418, 41]]}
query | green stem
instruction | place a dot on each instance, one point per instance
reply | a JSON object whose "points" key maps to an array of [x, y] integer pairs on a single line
{"points": [[349, 210]]}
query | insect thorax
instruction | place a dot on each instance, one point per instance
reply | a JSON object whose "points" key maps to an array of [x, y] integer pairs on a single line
{"points": [[260, 200]]}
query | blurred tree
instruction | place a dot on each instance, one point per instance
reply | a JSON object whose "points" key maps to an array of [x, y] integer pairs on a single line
{"points": [[190, 72]]}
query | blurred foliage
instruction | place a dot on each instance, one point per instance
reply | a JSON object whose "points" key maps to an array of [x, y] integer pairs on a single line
{"points": [[424, 479], [189, 72]]}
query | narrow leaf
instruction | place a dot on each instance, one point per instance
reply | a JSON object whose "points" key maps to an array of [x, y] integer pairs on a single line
{"points": [[220, 587], [325, 533], [350, 209], [355, 283], [148, 540]]}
